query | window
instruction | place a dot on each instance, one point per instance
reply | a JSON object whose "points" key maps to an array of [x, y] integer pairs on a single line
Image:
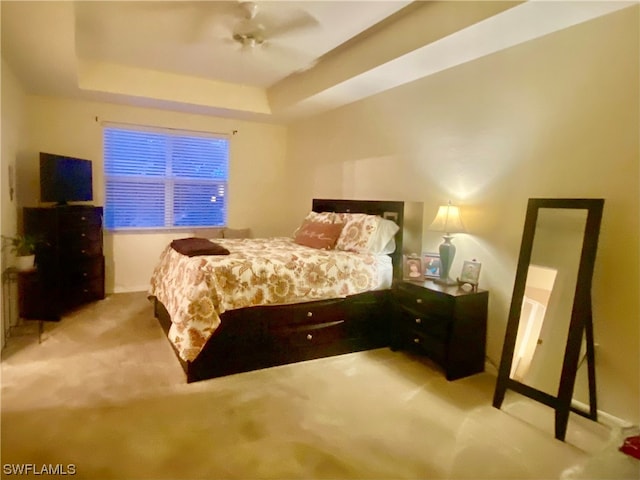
{"points": [[164, 179]]}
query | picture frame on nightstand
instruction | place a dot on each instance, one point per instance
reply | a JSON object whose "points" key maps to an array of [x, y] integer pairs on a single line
{"points": [[412, 267], [431, 264], [470, 273]]}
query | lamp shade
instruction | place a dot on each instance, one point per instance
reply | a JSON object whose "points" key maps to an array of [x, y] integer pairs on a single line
{"points": [[447, 220]]}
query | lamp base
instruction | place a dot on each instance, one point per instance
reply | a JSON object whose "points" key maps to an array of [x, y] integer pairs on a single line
{"points": [[445, 281], [447, 253]]}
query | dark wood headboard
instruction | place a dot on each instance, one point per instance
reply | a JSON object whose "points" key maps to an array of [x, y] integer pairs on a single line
{"points": [[386, 209]]}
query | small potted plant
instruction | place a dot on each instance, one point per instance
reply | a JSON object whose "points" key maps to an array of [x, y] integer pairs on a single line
{"points": [[24, 248]]}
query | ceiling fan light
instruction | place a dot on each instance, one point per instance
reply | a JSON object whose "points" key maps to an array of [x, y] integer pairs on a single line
{"points": [[248, 40]]}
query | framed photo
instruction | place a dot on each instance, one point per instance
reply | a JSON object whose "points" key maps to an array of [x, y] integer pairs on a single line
{"points": [[470, 272], [412, 267], [431, 263]]}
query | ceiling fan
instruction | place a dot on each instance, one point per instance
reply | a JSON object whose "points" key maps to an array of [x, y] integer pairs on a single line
{"points": [[249, 32], [270, 31], [258, 24]]}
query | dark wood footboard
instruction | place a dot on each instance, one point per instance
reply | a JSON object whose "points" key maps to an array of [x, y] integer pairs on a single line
{"points": [[259, 337]]}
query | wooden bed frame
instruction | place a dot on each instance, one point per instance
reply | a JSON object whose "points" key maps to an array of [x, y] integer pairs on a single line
{"points": [[264, 336]]}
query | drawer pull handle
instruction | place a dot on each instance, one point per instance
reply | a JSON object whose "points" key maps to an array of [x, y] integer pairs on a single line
{"points": [[83, 218], [85, 290], [416, 340], [309, 314], [83, 234], [418, 300], [309, 336], [418, 320]]}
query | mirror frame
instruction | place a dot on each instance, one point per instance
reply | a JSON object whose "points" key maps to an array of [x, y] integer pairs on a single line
{"points": [[581, 323]]}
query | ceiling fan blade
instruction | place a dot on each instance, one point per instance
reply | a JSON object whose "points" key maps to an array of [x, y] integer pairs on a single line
{"points": [[212, 19], [287, 57], [287, 22], [198, 18]]}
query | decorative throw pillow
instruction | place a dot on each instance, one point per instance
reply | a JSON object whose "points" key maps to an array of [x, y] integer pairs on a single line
{"points": [[358, 232], [318, 217], [318, 235]]}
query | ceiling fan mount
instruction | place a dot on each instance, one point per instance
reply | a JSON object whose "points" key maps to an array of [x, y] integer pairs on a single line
{"points": [[258, 24], [248, 31], [249, 40]]}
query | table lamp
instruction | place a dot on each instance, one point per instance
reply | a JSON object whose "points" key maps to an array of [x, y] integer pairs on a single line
{"points": [[448, 221]]}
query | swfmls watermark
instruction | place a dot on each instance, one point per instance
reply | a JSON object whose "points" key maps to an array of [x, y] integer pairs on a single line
{"points": [[38, 469]]}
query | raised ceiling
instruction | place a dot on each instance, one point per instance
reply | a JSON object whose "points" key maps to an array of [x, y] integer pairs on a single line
{"points": [[288, 58]]}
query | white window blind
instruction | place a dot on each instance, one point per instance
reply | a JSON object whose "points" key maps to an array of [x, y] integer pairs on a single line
{"points": [[163, 179]]}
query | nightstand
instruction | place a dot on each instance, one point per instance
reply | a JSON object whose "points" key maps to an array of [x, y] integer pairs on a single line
{"points": [[446, 323]]}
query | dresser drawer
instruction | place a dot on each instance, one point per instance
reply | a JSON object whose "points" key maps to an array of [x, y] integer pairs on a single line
{"points": [[79, 293], [78, 217], [81, 271], [85, 243], [423, 301]]}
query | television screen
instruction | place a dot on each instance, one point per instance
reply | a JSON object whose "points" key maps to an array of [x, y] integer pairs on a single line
{"points": [[65, 179]]}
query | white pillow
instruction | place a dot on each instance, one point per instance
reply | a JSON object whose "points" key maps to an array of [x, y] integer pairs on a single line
{"points": [[390, 247], [383, 240], [236, 233], [208, 233]]}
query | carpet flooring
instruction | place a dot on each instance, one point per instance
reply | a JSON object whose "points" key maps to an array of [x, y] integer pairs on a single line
{"points": [[103, 397]]}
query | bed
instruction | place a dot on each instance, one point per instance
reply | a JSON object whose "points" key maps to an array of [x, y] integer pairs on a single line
{"points": [[214, 333]]}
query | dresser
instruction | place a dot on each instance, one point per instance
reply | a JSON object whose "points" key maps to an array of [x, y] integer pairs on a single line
{"points": [[446, 323], [70, 263]]}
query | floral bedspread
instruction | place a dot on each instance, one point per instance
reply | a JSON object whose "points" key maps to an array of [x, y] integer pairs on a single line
{"points": [[197, 290]]}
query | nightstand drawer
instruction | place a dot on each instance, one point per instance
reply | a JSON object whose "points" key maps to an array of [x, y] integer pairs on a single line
{"points": [[421, 300], [445, 323], [434, 349], [410, 319]]}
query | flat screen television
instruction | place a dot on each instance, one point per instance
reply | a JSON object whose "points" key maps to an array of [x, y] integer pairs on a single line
{"points": [[65, 179]]}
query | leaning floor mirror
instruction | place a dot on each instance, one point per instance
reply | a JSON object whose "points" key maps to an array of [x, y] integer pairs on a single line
{"points": [[550, 325]]}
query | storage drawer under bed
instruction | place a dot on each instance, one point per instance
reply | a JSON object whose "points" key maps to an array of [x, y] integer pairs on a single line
{"points": [[299, 314]]}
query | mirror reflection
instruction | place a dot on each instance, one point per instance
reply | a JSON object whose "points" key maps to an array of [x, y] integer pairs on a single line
{"points": [[548, 298]]}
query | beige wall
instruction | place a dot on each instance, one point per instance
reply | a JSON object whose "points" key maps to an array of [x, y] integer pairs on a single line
{"points": [[69, 127], [13, 140], [554, 117]]}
